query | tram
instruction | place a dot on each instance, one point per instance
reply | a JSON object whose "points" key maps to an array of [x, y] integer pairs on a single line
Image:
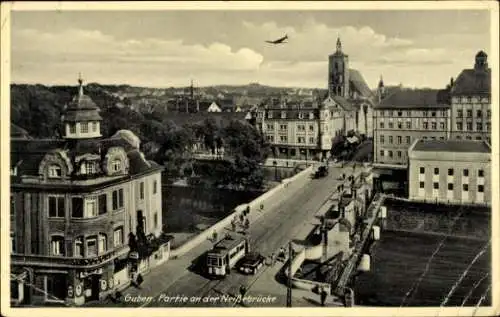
{"points": [[225, 254]]}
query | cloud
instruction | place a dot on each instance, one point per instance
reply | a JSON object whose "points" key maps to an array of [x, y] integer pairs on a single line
{"points": [[79, 46]]}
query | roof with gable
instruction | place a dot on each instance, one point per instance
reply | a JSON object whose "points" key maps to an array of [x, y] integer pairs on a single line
{"points": [[415, 98], [359, 83]]}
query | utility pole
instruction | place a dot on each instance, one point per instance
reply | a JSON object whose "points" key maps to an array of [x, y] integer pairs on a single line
{"points": [[289, 288]]}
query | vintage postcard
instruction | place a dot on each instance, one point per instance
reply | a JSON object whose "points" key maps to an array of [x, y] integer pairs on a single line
{"points": [[250, 158]]}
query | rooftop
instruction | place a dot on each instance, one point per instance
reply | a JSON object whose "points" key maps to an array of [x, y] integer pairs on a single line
{"points": [[416, 98], [472, 81], [359, 83], [452, 146]]}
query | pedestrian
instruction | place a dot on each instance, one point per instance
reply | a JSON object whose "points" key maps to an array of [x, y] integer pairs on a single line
{"points": [[323, 296], [273, 259]]}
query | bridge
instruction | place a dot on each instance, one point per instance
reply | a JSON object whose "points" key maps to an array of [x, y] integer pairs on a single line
{"points": [[372, 215]]}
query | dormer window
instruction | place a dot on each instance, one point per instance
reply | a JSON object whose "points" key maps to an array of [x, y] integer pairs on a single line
{"points": [[88, 168], [72, 128], [301, 115], [311, 115], [283, 114], [94, 126], [54, 171], [116, 166]]}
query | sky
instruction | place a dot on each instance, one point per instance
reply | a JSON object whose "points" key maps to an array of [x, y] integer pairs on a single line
{"points": [[169, 48]]}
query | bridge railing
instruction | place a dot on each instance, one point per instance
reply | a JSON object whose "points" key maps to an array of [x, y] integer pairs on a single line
{"points": [[372, 213]]}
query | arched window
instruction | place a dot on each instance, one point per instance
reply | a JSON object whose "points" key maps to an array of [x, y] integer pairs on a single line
{"points": [[116, 165]]}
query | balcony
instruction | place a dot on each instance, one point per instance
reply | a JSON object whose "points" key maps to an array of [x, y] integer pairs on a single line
{"points": [[68, 262]]}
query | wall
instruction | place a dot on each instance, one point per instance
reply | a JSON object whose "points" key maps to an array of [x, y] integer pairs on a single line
{"points": [[264, 199]]}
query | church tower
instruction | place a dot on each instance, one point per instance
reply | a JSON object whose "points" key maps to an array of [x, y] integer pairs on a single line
{"points": [[380, 89], [338, 72], [81, 119]]}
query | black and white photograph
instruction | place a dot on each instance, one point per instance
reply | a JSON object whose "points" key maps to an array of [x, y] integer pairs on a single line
{"points": [[331, 158]]}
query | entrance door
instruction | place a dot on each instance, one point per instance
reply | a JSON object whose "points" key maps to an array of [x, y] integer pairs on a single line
{"points": [[95, 287]]}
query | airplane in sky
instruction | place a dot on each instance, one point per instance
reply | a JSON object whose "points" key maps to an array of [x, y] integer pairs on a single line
{"points": [[279, 41]]}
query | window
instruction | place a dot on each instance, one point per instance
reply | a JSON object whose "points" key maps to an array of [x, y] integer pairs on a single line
{"points": [[301, 139], [480, 173], [301, 127], [478, 138], [103, 204], [450, 186], [270, 115], [479, 113], [469, 126], [54, 171], [283, 126], [311, 139], [400, 113], [89, 168], [382, 139], [56, 207], [443, 113], [436, 171], [311, 127], [408, 140], [434, 125], [94, 126], [90, 208], [12, 242], [12, 205], [270, 126], [57, 245], [460, 113], [311, 115], [459, 137], [488, 126], [283, 114], [425, 113], [433, 113], [155, 220], [118, 237], [459, 126], [301, 115], [422, 170], [469, 113], [465, 187], [408, 113], [441, 125], [466, 173], [400, 139], [468, 137], [400, 125], [117, 199], [399, 153], [84, 127], [480, 188], [91, 246], [102, 246], [426, 125], [381, 125], [116, 166], [488, 113], [155, 185], [391, 125], [479, 126], [450, 171], [422, 185], [408, 124], [270, 138], [141, 190], [78, 251], [72, 128], [390, 153], [390, 139], [433, 138], [77, 207], [435, 185], [382, 153]]}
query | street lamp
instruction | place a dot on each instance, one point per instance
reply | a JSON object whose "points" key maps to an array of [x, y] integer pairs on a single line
{"points": [[275, 164]]}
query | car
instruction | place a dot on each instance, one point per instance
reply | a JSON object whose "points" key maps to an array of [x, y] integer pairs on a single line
{"points": [[321, 172], [251, 263]]}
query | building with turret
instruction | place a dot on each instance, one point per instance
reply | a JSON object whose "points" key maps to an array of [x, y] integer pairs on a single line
{"points": [[85, 211]]}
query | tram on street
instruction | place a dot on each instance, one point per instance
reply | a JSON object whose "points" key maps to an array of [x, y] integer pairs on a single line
{"points": [[225, 254]]}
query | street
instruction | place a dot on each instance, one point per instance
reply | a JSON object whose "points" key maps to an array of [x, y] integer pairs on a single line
{"points": [[271, 230]]}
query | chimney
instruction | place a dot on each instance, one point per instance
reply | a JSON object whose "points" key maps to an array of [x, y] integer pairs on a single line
{"points": [[451, 82]]}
